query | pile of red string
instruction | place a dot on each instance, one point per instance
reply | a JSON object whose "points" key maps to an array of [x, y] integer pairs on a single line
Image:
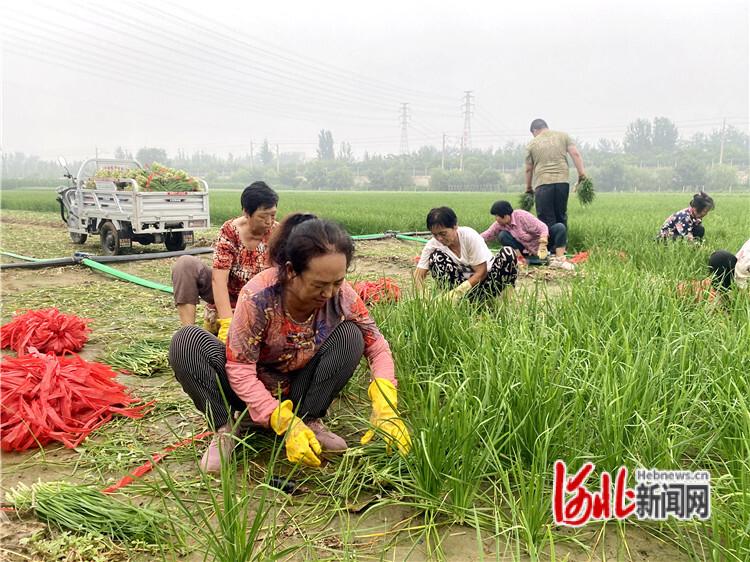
{"points": [[384, 289], [47, 330], [580, 257], [47, 398]]}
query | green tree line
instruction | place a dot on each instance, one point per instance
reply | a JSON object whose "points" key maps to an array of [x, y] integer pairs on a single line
{"points": [[650, 157]]}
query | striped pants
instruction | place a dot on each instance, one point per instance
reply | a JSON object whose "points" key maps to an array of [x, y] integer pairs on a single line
{"points": [[198, 360], [503, 273]]}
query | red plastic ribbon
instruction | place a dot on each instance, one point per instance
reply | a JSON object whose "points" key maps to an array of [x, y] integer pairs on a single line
{"points": [[46, 398], [47, 330], [384, 289], [148, 466]]}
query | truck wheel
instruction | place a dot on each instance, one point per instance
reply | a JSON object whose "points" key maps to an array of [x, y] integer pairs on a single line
{"points": [[109, 238], [78, 238], [174, 241]]}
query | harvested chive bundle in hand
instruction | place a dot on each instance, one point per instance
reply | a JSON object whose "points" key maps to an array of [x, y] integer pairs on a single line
{"points": [[84, 509], [585, 190], [526, 202]]}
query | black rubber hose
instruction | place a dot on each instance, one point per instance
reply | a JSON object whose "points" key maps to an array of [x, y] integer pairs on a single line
{"points": [[79, 256]]}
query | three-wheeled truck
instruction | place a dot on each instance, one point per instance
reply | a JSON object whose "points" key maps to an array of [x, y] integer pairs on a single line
{"points": [[120, 212]]}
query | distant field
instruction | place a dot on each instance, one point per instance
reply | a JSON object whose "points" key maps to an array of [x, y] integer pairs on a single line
{"points": [[614, 219]]}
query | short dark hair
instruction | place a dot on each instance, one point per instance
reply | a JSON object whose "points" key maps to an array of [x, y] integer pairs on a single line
{"points": [[538, 124], [441, 216], [501, 209], [702, 201], [258, 195], [301, 237]]}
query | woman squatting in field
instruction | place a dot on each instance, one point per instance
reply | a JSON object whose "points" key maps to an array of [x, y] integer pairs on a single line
{"points": [[726, 267], [687, 222], [458, 258], [298, 333], [240, 252]]}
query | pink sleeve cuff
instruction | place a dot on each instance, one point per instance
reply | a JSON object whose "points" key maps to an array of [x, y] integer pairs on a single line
{"points": [[381, 362], [246, 385]]}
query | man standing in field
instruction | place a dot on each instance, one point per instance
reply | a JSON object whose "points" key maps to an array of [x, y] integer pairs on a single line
{"points": [[547, 175]]}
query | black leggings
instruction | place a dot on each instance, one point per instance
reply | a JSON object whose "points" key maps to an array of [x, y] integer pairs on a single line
{"points": [[503, 272], [721, 265], [199, 362]]}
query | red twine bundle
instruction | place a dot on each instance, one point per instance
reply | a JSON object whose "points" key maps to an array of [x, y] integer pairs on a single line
{"points": [[384, 289], [48, 330], [45, 398], [580, 257]]}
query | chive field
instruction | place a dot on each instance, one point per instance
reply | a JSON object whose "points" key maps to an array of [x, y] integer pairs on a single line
{"points": [[608, 365]]}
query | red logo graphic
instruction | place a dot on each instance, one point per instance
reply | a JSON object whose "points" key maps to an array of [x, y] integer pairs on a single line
{"points": [[585, 505]]}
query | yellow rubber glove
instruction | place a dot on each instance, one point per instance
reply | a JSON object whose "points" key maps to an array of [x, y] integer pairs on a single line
{"points": [[301, 444], [542, 252], [384, 417], [459, 292], [223, 328]]}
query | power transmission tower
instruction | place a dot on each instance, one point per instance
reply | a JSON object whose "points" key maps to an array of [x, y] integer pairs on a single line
{"points": [[721, 149], [404, 119], [252, 157], [467, 107], [442, 160]]}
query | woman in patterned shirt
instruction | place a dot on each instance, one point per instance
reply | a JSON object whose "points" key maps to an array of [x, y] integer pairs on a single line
{"points": [[240, 253], [687, 222], [298, 334]]}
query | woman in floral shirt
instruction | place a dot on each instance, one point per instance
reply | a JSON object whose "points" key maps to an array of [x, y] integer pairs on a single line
{"points": [[298, 333], [687, 222], [240, 252]]}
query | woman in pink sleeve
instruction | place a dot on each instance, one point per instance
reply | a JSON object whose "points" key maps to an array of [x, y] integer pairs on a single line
{"points": [[297, 335]]}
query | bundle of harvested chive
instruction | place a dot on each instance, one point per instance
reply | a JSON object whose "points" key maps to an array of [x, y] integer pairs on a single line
{"points": [[145, 358], [585, 191], [84, 509], [526, 202]]}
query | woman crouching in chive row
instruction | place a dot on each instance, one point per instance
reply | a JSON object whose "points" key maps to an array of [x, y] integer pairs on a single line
{"points": [[298, 333]]}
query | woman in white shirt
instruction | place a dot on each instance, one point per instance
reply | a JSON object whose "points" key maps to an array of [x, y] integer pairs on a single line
{"points": [[458, 258]]}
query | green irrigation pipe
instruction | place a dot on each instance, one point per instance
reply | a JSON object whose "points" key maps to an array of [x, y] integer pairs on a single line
{"points": [[20, 257], [412, 238], [370, 237], [126, 276]]}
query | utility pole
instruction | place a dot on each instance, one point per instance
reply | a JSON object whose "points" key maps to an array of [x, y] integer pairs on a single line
{"points": [[442, 160], [721, 149], [277, 160], [252, 158], [404, 120], [466, 138]]}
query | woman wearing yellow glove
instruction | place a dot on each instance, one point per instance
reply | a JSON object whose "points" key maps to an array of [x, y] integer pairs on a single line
{"points": [[458, 259], [240, 253], [298, 333]]}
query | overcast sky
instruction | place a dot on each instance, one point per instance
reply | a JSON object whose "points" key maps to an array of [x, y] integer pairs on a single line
{"points": [[217, 75]]}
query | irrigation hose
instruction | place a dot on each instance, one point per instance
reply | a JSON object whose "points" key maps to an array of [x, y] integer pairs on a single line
{"points": [[20, 257], [411, 238], [126, 276], [35, 263]]}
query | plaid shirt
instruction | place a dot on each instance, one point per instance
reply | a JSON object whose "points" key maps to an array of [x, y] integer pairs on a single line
{"points": [[524, 227]]}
